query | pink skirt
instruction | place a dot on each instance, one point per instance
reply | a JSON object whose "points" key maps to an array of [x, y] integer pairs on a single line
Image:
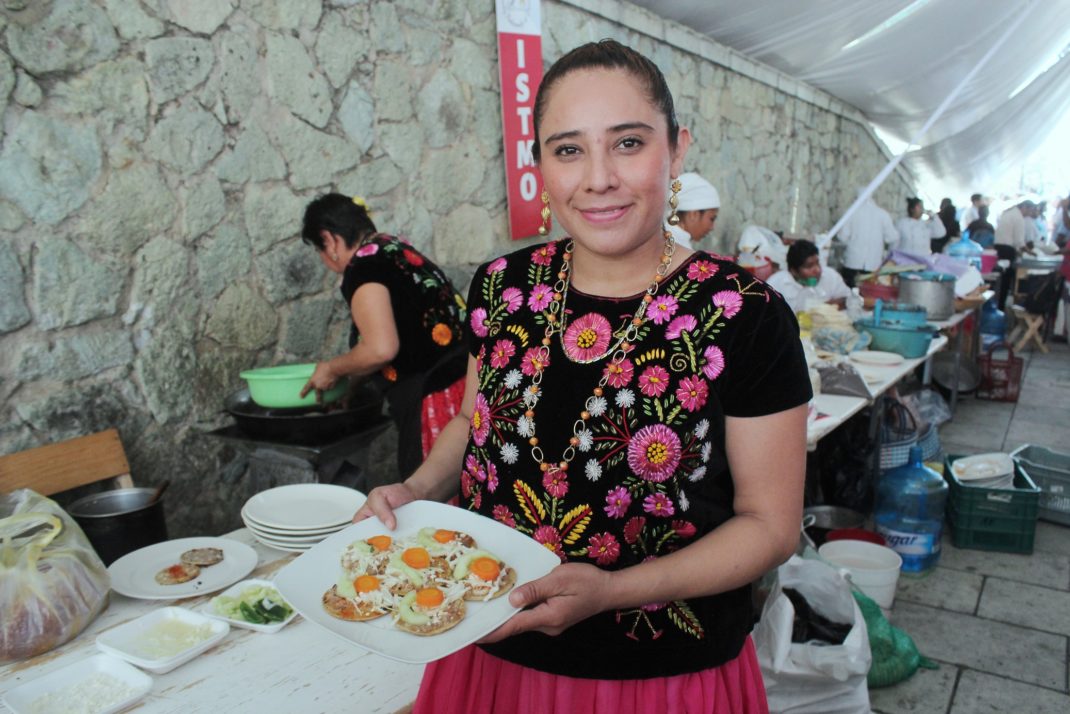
{"points": [[474, 682]]}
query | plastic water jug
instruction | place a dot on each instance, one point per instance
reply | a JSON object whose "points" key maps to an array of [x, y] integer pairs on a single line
{"points": [[910, 512], [967, 251], [993, 324]]}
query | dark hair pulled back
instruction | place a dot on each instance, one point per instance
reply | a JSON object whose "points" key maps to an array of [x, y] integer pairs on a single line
{"points": [[338, 214], [608, 54]]}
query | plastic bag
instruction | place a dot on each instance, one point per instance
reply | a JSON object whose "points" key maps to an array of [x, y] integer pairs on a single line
{"points": [[928, 407], [843, 379], [52, 583], [802, 678]]}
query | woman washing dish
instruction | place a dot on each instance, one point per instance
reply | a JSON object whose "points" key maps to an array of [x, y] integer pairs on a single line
{"points": [[621, 400], [697, 207], [407, 322], [805, 271]]}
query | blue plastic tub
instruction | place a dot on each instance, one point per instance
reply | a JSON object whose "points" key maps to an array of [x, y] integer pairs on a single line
{"points": [[903, 314], [908, 340]]}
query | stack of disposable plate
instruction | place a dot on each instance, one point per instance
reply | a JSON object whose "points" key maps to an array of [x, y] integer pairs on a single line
{"points": [[992, 470], [294, 518]]}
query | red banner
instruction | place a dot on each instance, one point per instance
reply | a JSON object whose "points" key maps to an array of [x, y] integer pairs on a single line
{"points": [[520, 66]]}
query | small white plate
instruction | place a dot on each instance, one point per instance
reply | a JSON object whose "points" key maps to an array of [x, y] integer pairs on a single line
{"points": [[306, 536], [304, 581], [876, 357], [304, 506], [21, 699], [292, 540], [287, 547], [126, 640], [134, 574], [983, 467], [236, 590]]}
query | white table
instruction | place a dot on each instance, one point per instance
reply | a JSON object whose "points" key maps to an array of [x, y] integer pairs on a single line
{"points": [[834, 409], [302, 668]]}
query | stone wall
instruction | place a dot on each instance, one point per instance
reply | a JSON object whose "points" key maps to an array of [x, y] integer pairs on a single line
{"points": [[157, 155]]}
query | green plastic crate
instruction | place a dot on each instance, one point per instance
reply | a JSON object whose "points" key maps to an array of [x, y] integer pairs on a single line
{"points": [[1000, 519]]}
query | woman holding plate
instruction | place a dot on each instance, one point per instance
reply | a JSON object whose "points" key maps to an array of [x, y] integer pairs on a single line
{"points": [[621, 401]]}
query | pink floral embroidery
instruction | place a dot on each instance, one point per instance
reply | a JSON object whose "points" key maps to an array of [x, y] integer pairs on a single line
{"points": [[480, 420], [501, 354], [604, 548], [549, 537], [680, 325], [654, 452], [658, 504], [502, 514], [692, 393], [479, 322], [662, 308], [730, 300], [634, 528], [492, 477], [588, 337], [619, 374], [544, 253], [477, 499], [367, 249], [701, 270], [496, 266], [540, 297], [466, 484], [617, 502], [555, 482], [684, 529], [714, 362], [513, 299], [654, 381], [531, 362]]}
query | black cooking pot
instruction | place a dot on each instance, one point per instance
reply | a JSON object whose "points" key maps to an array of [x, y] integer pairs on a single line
{"points": [[120, 521], [362, 407]]}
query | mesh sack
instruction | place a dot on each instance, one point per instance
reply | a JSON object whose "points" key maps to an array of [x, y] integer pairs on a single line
{"points": [[895, 656]]}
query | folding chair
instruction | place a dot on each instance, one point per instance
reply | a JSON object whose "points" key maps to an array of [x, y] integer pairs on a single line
{"points": [[1039, 296], [68, 464], [1027, 326]]}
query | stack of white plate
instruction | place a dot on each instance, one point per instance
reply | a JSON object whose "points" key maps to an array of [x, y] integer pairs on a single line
{"points": [[294, 518], [992, 470]]}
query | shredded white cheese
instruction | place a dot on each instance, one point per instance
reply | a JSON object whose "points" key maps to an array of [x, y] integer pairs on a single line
{"points": [[91, 695], [170, 637]]}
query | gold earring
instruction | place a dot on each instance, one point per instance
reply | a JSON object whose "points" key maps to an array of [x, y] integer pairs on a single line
{"points": [[544, 228], [674, 199]]}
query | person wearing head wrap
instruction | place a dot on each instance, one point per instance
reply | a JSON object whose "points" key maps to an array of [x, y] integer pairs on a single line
{"points": [[697, 207]]}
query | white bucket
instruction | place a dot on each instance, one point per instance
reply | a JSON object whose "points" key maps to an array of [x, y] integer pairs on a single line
{"points": [[873, 568]]}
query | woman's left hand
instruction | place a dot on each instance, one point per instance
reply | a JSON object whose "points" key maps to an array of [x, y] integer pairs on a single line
{"points": [[568, 594], [323, 378]]}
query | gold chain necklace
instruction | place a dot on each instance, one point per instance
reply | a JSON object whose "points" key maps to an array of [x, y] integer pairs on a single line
{"points": [[556, 322]]}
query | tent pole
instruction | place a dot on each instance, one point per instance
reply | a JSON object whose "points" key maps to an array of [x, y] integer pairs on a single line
{"points": [[883, 174]]}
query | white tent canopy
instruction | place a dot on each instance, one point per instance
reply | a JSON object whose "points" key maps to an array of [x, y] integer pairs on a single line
{"points": [[897, 60]]}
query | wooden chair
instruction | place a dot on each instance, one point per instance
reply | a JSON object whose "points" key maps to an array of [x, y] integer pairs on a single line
{"points": [[1027, 326], [68, 464]]}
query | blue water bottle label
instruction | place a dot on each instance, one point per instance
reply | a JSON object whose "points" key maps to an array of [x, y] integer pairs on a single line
{"points": [[906, 543]]}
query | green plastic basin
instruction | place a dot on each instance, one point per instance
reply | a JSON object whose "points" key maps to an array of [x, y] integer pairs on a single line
{"points": [[280, 387]]}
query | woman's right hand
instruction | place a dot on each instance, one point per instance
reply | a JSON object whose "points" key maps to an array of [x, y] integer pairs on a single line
{"points": [[323, 378], [382, 501]]}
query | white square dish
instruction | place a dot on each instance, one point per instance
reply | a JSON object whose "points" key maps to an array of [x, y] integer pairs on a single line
{"points": [[130, 641], [234, 591], [91, 675], [304, 581]]}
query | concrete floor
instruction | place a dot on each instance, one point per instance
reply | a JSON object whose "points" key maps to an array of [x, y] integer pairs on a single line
{"points": [[998, 624]]}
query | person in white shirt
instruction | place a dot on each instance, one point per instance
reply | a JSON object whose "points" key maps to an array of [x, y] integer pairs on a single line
{"points": [[916, 235], [806, 279], [973, 211], [866, 234], [697, 206], [1011, 238]]}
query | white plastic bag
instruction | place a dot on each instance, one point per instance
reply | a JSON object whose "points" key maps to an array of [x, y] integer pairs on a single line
{"points": [[812, 678]]}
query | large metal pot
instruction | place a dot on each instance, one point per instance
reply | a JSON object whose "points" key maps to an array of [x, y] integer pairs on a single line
{"points": [[933, 291], [120, 521]]}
